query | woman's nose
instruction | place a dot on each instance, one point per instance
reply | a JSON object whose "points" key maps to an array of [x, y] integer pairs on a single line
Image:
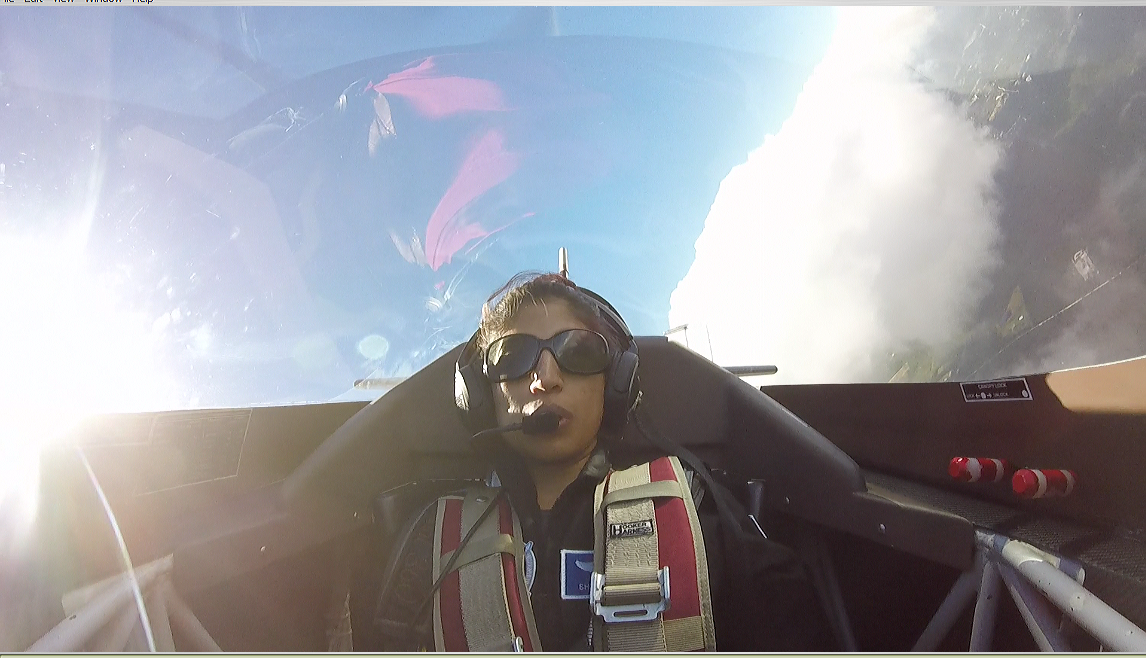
{"points": [[546, 374]]}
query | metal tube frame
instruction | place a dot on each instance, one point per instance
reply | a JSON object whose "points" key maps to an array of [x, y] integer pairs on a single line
{"points": [[839, 613], [824, 580], [1084, 608], [986, 608], [185, 621], [1036, 581], [115, 635], [1035, 612], [948, 613], [104, 617], [105, 601], [160, 621]]}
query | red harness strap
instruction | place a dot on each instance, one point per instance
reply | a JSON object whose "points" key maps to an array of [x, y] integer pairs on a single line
{"points": [[449, 604], [489, 568], [650, 589], [675, 545], [515, 582]]}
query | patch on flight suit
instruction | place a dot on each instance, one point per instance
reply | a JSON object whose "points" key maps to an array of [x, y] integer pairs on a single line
{"points": [[530, 566], [576, 574]]}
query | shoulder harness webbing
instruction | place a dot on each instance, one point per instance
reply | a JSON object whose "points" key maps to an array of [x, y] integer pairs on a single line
{"points": [[467, 614], [649, 589], [650, 583]]}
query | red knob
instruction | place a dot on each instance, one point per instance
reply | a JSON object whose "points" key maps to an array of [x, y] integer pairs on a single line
{"points": [[1043, 482], [976, 469]]}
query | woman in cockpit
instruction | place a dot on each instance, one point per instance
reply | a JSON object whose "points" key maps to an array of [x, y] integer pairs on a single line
{"points": [[566, 547]]}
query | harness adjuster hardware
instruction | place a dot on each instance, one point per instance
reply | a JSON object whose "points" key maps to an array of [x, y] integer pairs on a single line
{"points": [[626, 612]]}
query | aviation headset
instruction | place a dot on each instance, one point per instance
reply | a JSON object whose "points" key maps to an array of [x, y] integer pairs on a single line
{"points": [[474, 399]]}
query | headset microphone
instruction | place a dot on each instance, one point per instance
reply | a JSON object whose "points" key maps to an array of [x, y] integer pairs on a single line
{"points": [[541, 422]]}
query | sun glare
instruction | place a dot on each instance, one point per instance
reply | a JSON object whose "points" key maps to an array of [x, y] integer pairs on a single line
{"points": [[70, 349]]}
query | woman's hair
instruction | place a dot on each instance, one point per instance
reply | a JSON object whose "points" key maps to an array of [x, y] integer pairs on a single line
{"points": [[504, 305]]}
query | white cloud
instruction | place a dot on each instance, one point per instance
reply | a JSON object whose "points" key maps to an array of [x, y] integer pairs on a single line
{"points": [[867, 222]]}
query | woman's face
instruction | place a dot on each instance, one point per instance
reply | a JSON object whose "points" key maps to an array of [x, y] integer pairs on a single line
{"points": [[579, 399]]}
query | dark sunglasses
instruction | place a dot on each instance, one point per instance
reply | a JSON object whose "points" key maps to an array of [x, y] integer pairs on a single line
{"points": [[577, 351]]}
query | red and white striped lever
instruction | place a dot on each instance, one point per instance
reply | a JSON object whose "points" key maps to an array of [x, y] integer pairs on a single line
{"points": [[1043, 482], [978, 469]]}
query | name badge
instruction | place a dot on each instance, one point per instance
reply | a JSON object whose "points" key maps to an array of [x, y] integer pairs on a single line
{"points": [[576, 574]]}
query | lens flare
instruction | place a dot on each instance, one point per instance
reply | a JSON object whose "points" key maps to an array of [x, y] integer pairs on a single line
{"points": [[70, 349]]}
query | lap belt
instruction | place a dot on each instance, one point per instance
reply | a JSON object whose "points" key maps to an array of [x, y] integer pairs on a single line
{"points": [[649, 589]]}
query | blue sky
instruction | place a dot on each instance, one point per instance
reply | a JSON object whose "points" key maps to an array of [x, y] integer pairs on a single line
{"points": [[146, 63], [698, 90], [797, 34]]}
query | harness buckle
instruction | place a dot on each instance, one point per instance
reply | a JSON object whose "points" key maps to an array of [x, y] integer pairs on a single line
{"points": [[627, 612]]}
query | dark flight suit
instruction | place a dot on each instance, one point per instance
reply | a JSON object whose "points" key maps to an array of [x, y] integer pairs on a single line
{"points": [[774, 607]]}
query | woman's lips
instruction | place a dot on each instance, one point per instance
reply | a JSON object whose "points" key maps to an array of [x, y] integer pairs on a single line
{"points": [[554, 408], [566, 417]]}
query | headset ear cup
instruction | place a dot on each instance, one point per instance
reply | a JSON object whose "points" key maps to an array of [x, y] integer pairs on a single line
{"points": [[621, 391], [472, 395]]}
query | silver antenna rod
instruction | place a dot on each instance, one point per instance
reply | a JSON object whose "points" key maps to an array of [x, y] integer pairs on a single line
{"points": [[563, 262]]}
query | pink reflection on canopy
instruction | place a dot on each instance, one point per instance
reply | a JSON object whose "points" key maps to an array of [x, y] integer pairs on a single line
{"points": [[435, 96], [486, 165]]}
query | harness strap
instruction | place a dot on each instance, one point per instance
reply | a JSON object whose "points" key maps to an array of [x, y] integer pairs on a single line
{"points": [[662, 489], [629, 565], [482, 548], [485, 612], [639, 550], [705, 639], [479, 605]]}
